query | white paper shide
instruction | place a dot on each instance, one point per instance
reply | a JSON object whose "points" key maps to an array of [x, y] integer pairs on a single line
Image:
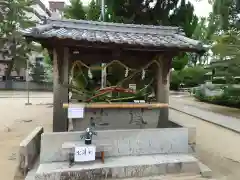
{"points": [[76, 112]]}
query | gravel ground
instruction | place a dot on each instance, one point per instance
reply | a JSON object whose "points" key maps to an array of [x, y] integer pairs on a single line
{"points": [[16, 122]]}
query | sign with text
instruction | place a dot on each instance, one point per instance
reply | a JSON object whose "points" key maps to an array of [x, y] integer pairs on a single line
{"points": [[85, 153], [139, 101], [132, 86], [76, 112]]}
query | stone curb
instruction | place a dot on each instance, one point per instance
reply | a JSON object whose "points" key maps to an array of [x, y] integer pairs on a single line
{"points": [[29, 150]]}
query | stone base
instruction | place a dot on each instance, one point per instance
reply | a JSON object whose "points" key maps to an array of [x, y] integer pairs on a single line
{"points": [[120, 167]]}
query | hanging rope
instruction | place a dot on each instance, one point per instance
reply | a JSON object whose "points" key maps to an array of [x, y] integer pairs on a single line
{"points": [[79, 63]]}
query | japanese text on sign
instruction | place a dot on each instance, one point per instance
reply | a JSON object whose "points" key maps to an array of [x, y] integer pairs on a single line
{"points": [[85, 153]]}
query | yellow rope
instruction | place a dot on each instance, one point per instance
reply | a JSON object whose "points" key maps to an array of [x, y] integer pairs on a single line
{"points": [[79, 63]]}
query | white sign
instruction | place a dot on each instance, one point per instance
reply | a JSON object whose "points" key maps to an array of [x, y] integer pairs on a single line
{"points": [[85, 153], [139, 101], [132, 86], [76, 112]]}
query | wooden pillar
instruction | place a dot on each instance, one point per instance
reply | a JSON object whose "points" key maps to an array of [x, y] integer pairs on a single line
{"points": [[60, 77], [162, 94]]}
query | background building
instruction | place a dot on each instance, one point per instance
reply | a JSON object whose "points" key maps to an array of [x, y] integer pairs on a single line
{"points": [[57, 7], [41, 11]]}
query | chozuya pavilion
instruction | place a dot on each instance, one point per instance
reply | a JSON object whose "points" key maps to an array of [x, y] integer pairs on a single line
{"points": [[130, 127]]}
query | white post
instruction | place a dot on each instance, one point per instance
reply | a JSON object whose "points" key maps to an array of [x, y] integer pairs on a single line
{"points": [[27, 82], [103, 10], [104, 76]]}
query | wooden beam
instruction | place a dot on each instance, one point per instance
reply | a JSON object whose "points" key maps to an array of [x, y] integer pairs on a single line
{"points": [[116, 105], [163, 84], [60, 76]]}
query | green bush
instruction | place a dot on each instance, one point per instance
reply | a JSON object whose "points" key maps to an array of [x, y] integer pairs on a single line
{"points": [[175, 80], [190, 77], [230, 97]]}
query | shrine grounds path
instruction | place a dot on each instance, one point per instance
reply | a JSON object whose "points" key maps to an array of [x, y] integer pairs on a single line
{"points": [[217, 147]]}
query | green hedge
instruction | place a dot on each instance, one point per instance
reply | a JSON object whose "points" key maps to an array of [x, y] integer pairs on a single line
{"points": [[190, 77], [230, 97]]}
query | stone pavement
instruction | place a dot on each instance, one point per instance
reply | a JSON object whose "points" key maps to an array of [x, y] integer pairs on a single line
{"points": [[228, 122], [191, 101], [24, 94]]}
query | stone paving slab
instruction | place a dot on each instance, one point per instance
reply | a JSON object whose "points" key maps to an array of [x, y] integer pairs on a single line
{"points": [[228, 122]]}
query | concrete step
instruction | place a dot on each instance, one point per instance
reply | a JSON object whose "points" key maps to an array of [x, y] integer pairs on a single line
{"points": [[181, 176], [120, 167]]}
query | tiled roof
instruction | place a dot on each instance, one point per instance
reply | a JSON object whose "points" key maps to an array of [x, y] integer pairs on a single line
{"points": [[128, 34]]}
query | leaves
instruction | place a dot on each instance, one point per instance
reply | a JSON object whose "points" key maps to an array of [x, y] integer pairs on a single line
{"points": [[180, 61], [190, 77], [94, 11], [12, 42], [227, 44], [227, 52], [227, 12], [159, 12], [184, 17]]}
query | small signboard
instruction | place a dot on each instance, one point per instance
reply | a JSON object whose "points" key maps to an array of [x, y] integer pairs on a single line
{"points": [[139, 101], [132, 86], [85, 153], [76, 112]]}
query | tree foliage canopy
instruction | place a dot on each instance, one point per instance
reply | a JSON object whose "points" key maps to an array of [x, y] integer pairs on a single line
{"points": [[225, 37], [94, 11], [12, 44], [75, 10], [227, 12]]}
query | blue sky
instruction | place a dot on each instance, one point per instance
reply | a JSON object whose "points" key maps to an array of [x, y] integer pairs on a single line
{"points": [[202, 8]]}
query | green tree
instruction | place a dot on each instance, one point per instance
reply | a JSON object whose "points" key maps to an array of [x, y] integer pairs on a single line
{"points": [[227, 50], [48, 66], [160, 12], [94, 11], [13, 44], [189, 76], [225, 37], [179, 62], [201, 30], [227, 45], [227, 12], [184, 17], [75, 10], [202, 34], [38, 72]]}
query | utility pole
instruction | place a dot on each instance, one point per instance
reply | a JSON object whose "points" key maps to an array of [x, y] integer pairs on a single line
{"points": [[104, 70]]}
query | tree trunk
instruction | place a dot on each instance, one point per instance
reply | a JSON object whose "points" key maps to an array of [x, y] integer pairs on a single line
{"points": [[8, 71]]}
